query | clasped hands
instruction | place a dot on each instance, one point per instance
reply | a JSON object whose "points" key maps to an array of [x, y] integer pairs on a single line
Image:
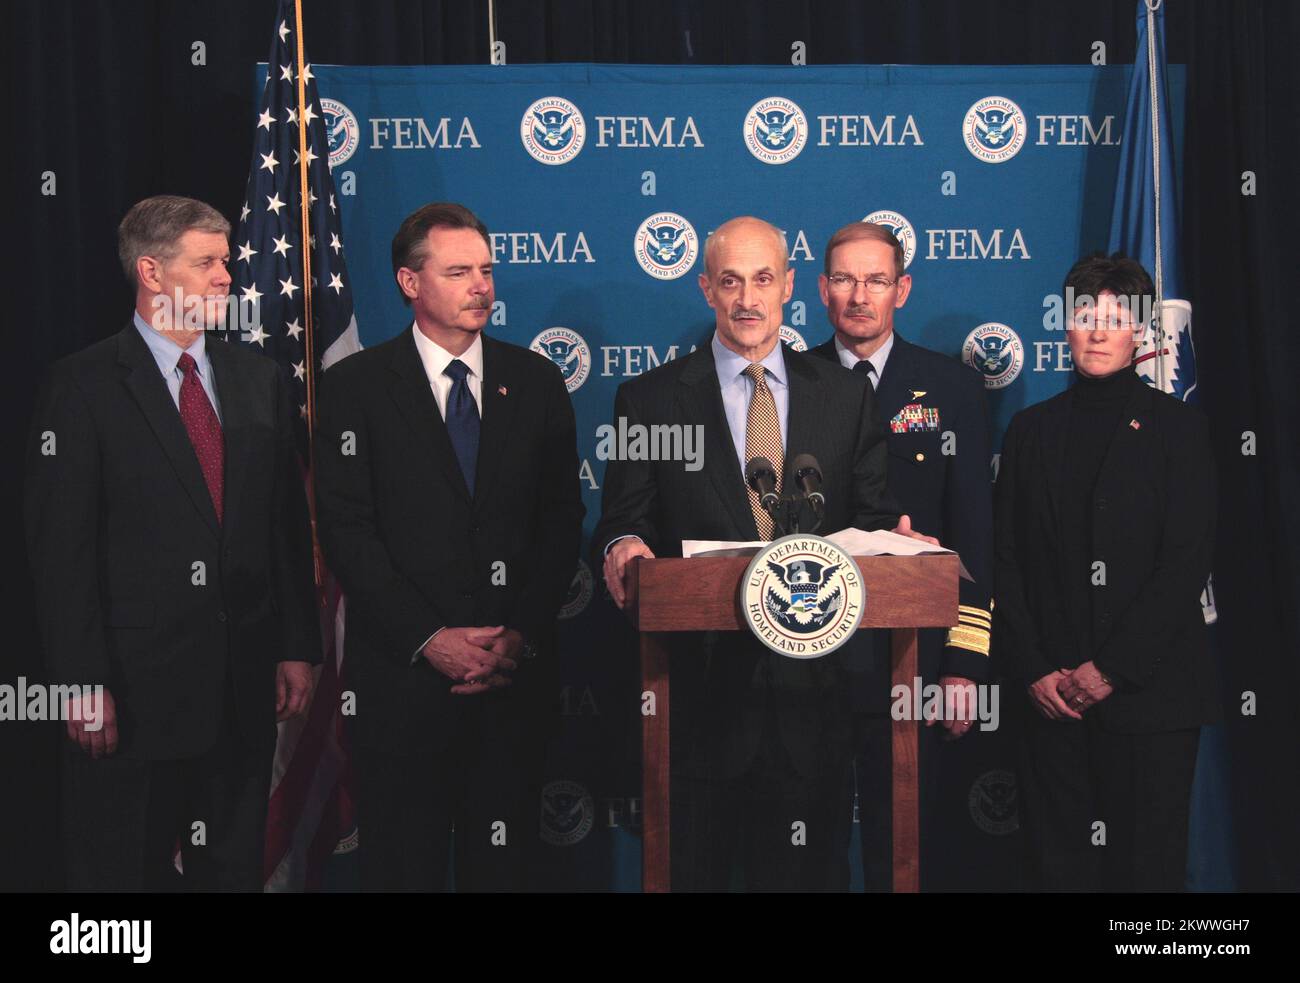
{"points": [[624, 550], [1069, 692], [476, 659]]}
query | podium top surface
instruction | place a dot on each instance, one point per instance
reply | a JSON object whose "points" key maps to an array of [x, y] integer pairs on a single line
{"points": [[703, 593]]}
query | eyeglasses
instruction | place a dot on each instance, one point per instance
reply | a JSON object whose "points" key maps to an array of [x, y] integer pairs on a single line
{"points": [[842, 283], [1090, 322]]}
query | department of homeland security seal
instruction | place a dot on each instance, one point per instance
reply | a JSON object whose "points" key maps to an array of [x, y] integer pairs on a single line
{"points": [[581, 588], [553, 130], [901, 228], [994, 129], [775, 130], [342, 129], [803, 596], [791, 337], [568, 812], [995, 350], [569, 351], [666, 246], [992, 802]]}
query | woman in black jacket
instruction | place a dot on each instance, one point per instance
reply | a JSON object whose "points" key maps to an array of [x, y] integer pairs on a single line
{"points": [[1104, 532]]}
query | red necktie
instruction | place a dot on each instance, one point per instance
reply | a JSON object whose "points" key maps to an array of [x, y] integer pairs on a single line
{"points": [[204, 428]]}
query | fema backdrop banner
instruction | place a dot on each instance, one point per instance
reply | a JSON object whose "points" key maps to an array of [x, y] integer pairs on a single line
{"points": [[599, 185]]}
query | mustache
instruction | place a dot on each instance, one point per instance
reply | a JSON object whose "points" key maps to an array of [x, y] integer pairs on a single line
{"points": [[745, 312], [859, 311], [478, 305]]}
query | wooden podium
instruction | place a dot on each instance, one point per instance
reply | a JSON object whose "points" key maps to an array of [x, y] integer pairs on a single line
{"points": [[702, 594]]}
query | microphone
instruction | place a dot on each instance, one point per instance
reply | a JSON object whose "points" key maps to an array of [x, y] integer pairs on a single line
{"points": [[808, 479], [760, 475]]}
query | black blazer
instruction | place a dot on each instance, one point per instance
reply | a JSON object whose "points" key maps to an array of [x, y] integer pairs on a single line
{"points": [[1152, 525], [415, 552], [119, 517], [722, 682], [949, 496]]}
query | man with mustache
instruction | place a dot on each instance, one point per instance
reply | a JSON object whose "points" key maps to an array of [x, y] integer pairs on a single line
{"points": [[938, 441], [759, 741], [447, 486]]}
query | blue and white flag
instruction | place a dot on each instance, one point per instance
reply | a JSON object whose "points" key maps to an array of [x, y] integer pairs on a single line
{"points": [[1145, 226], [1144, 223]]}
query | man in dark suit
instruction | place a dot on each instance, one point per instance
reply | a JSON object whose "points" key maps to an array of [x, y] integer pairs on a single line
{"points": [[759, 740], [1105, 532], [447, 485], [938, 440], [168, 536]]}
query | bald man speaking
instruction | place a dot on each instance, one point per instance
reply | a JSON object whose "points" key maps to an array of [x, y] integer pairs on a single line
{"points": [[758, 739]]}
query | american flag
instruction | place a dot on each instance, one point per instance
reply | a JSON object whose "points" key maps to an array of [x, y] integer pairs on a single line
{"points": [[310, 813]]}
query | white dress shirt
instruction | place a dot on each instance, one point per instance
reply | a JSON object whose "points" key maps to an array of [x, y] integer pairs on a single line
{"points": [[877, 360], [436, 359]]}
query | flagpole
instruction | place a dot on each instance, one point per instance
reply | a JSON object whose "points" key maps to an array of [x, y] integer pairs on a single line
{"points": [[1159, 272], [304, 203], [492, 32]]}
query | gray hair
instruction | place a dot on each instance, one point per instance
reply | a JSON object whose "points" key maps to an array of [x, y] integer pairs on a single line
{"points": [[710, 244], [154, 226]]}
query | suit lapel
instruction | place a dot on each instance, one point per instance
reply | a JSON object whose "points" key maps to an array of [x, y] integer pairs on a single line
{"points": [[236, 414], [804, 408], [414, 399], [146, 385], [498, 416], [699, 397]]}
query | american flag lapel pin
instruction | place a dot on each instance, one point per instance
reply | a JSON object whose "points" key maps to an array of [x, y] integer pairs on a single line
{"points": [[502, 390], [1134, 424]]}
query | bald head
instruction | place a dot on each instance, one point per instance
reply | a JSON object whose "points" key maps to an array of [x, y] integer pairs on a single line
{"points": [[744, 228], [747, 281]]}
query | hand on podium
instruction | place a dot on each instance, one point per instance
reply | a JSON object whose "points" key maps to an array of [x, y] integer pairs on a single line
{"points": [[904, 528], [616, 561]]}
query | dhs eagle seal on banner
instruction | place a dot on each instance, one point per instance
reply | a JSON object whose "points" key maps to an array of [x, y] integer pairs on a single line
{"points": [[996, 352], [994, 129], [792, 338], [902, 229], [568, 813], [342, 129], [803, 596], [775, 130], [666, 246], [570, 353], [553, 130]]}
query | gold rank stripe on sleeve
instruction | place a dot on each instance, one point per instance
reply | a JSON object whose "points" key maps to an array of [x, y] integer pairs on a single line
{"points": [[972, 630], [971, 639]]}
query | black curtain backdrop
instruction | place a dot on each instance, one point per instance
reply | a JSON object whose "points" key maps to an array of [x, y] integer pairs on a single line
{"points": [[104, 96]]}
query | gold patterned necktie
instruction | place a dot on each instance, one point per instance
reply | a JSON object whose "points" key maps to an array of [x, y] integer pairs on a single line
{"points": [[762, 439]]}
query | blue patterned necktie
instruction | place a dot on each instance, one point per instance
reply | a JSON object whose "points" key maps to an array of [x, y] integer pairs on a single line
{"points": [[462, 420]]}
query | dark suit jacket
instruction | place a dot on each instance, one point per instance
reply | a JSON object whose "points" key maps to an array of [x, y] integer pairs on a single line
{"points": [[118, 517], [415, 552], [949, 496], [1153, 527], [722, 683]]}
